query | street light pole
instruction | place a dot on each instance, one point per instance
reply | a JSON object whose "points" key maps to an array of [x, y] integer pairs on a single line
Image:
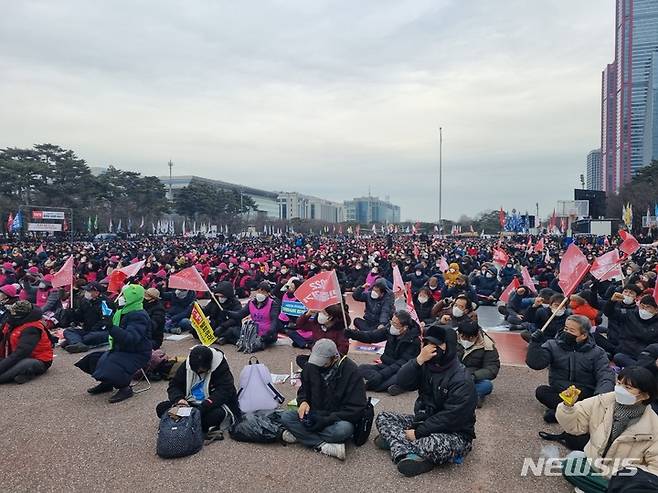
{"points": [[171, 165], [440, 179]]}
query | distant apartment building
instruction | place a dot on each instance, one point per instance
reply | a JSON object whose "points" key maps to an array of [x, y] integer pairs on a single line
{"points": [[367, 210], [594, 170], [293, 205]]}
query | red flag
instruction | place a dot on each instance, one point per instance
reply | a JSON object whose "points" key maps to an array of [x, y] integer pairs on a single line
{"points": [[410, 305], [189, 279], [416, 251], [500, 257], [501, 217], [116, 281], [320, 291], [398, 283], [10, 222], [527, 280], [573, 268], [132, 270], [539, 247], [65, 226], [40, 249], [64, 276], [655, 292], [607, 266], [630, 245], [563, 225], [515, 284]]}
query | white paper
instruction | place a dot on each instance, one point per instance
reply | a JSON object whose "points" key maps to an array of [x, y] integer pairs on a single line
{"points": [[177, 337], [278, 378], [184, 411], [374, 401]]}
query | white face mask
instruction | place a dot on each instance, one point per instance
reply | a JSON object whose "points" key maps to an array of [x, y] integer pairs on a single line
{"points": [[545, 305], [87, 295], [623, 396], [181, 294], [419, 273], [423, 299], [489, 274], [260, 297], [42, 285], [121, 301], [457, 312], [323, 318], [558, 313], [628, 300], [645, 314], [374, 295], [221, 299], [394, 331], [466, 344]]}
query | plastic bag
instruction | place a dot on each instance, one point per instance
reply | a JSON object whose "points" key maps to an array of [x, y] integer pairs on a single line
{"points": [[258, 427]]}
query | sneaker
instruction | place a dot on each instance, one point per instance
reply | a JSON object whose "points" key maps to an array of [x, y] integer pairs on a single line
{"points": [[175, 330], [549, 416], [23, 378], [121, 395], [221, 341], [395, 390], [413, 465], [101, 388], [480, 402], [76, 348], [336, 450], [503, 310], [288, 437], [381, 443]]}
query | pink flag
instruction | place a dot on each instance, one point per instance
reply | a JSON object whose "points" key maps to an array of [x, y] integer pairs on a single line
{"points": [[189, 278], [515, 284], [40, 249], [443, 264], [630, 245], [64, 276], [655, 292], [573, 268], [410, 305], [320, 291], [500, 257], [132, 269], [540, 245], [398, 283], [607, 266], [116, 281], [527, 280]]}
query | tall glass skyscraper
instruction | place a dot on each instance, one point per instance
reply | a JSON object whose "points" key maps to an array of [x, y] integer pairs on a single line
{"points": [[626, 127]]}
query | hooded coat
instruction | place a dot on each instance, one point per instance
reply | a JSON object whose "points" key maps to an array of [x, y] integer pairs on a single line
{"points": [[378, 311], [219, 319], [481, 359]]}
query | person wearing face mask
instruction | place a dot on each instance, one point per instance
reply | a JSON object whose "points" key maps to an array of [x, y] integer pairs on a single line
{"points": [[538, 314], [25, 348], [572, 358], [435, 285], [89, 329], [264, 312], [331, 400], [130, 347], [621, 426], [356, 276], [47, 298], [460, 310], [402, 338], [156, 312], [204, 381], [291, 307], [461, 287], [442, 428], [636, 325], [243, 281], [478, 353], [225, 326], [417, 278], [181, 302], [326, 324], [424, 303], [508, 273], [487, 287], [379, 308]]}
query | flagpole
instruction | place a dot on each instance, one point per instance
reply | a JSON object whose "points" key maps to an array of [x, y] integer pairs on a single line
{"points": [[440, 179], [342, 301]]}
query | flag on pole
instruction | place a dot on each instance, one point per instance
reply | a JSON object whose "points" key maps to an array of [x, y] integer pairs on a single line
{"points": [[501, 217], [96, 223], [110, 226], [116, 281], [410, 304], [500, 257], [40, 249], [443, 264], [119, 226], [188, 278], [89, 224], [398, 283], [183, 232], [320, 291], [629, 245], [141, 226], [607, 266], [64, 276], [573, 268], [512, 286], [10, 222], [539, 246], [527, 280], [17, 224]]}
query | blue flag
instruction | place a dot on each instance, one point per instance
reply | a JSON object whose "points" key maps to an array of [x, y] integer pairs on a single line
{"points": [[17, 225]]}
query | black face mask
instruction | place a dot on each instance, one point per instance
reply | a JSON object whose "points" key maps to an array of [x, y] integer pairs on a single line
{"points": [[569, 339]]}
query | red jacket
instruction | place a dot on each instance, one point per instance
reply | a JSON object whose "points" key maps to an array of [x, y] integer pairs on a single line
{"points": [[43, 351]]}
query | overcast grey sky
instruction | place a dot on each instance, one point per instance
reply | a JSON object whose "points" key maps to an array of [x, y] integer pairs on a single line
{"points": [[321, 97]]}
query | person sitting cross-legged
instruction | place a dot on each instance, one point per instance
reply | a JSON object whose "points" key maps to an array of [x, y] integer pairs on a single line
{"points": [[442, 428], [331, 400]]}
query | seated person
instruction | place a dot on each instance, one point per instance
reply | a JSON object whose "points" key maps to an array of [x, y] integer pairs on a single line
{"points": [[156, 311], [8, 296], [478, 353], [402, 344], [331, 400], [637, 328], [326, 324], [487, 287], [537, 315], [580, 306], [435, 286], [424, 303], [379, 306], [25, 348], [461, 287], [220, 320], [291, 307], [204, 381], [452, 315], [630, 295], [417, 278], [264, 311], [442, 428], [88, 316], [628, 435], [515, 309], [130, 346], [572, 358], [180, 307]]}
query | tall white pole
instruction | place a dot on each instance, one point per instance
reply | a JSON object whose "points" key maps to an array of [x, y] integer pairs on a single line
{"points": [[440, 179]]}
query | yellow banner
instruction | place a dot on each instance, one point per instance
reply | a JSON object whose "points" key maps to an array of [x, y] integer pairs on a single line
{"points": [[202, 326]]}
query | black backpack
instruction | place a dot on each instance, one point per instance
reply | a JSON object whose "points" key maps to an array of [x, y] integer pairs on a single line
{"points": [[363, 427]]}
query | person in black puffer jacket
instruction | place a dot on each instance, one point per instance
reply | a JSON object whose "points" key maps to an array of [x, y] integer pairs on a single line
{"points": [[219, 318], [572, 358], [156, 312], [402, 344], [442, 428], [379, 306]]}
